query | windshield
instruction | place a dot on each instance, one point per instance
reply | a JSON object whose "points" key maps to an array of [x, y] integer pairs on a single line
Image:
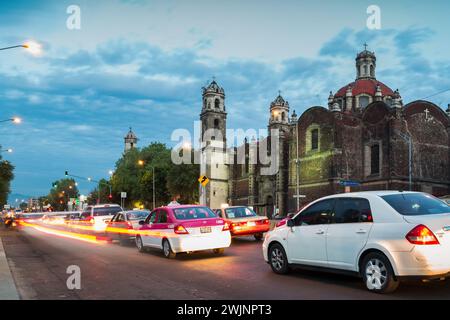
{"points": [[239, 212], [193, 213], [137, 215], [106, 211], [416, 204]]}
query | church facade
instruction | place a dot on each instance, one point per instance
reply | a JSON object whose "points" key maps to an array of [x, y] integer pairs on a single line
{"points": [[365, 135]]}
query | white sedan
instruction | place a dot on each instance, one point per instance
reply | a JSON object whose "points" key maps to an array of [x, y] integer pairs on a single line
{"points": [[382, 236]]}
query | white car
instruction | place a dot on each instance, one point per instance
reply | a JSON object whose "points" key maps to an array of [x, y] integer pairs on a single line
{"points": [[382, 236], [98, 216], [184, 228]]}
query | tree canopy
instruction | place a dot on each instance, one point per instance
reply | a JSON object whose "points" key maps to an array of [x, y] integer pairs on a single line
{"points": [[6, 176]]}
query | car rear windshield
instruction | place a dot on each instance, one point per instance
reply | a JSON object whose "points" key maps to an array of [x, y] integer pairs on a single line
{"points": [[239, 212], [193, 213], [416, 204], [137, 215], [106, 211]]}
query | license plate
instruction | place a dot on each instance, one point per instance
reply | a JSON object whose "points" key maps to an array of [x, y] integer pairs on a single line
{"points": [[205, 229], [251, 224]]}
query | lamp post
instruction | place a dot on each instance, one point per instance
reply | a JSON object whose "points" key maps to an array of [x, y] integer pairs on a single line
{"points": [[142, 163], [408, 139]]}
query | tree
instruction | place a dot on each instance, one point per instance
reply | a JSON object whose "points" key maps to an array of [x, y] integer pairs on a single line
{"points": [[61, 193], [6, 176], [182, 181], [104, 193]]}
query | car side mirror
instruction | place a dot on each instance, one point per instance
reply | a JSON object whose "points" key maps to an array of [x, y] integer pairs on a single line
{"points": [[290, 223], [290, 215], [142, 222]]}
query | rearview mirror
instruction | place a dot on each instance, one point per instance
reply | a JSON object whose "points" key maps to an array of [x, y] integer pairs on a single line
{"points": [[142, 222], [290, 223]]}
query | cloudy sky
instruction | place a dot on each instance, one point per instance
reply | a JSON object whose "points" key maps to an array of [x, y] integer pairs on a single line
{"points": [[142, 64]]}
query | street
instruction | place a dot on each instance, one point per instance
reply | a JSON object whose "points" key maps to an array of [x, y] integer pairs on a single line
{"points": [[39, 261]]}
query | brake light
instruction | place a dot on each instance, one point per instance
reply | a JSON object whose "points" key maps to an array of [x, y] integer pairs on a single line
{"points": [[266, 221], [226, 227], [91, 220], [421, 235], [129, 225], [180, 230]]}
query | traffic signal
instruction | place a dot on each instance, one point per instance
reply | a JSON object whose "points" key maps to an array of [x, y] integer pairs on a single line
{"points": [[110, 196]]}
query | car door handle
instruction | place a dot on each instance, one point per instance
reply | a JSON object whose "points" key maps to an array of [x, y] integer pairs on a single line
{"points": [[361, 231], [320, 232]]}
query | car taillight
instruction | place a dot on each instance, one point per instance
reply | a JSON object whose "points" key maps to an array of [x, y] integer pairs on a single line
{"points": [[226, 227], [281, 223], [266, 221], [421, 235], [180, 230], [91, 220], [129, 225]]}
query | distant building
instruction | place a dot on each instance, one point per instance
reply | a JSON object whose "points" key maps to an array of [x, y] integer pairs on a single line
{"points": [[130, 140], [357, 137]]}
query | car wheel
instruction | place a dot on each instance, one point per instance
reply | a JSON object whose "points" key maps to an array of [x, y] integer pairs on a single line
{"points": [[140, 244], [278, 259], [219, 251], [258, 236], [167, 250], [378, 274]]}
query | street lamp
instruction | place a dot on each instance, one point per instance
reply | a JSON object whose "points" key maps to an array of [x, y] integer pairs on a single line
{"points": [[13, 120], [31, 46], [6, 150]]}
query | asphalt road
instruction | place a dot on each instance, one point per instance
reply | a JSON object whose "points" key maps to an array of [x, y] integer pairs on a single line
{"points": [[39, 262]]}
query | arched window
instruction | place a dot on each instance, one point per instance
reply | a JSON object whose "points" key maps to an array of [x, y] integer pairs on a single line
{"points": [[283, 116], [375, 159], [314, 139], [366, 71], [216, 123], [372, 70], [217, 103]]}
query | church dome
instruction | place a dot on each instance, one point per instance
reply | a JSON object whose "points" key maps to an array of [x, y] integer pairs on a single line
{"points": [[130, 135], [213, 87], [279, 102], [365, 86]]}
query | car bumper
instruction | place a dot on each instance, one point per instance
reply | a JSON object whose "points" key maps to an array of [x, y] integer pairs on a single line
{"points": [[188, 243], [422, 262], [245, 231]]}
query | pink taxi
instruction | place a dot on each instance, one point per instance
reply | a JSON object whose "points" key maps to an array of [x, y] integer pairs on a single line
{"points": [[185, 228]]}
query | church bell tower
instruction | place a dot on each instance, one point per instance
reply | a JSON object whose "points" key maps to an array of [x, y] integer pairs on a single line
{"points": [[213, 161]]}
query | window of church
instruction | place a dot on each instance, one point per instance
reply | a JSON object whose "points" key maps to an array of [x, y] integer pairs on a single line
{"points": [[217, 103], [364, 101], [312, 139], [315, 139], [283, 116], [375, 159], [216, 123]]}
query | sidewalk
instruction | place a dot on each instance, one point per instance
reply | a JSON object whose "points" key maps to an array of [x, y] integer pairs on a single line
{"points": [[8, 290]]}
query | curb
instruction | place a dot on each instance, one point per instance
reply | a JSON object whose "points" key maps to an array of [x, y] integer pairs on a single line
{"points": [[8, 290]]}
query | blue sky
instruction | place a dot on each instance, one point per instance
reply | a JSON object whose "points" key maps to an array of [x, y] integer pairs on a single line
{"points": [[143, 63]]}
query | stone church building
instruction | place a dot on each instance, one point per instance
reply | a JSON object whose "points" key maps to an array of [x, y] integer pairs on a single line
{"points": [[363, 135]]}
